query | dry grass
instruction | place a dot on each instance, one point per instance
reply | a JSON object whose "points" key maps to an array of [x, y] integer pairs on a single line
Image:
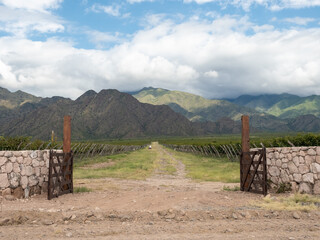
{"points": [[296, 202], [164, 162]]}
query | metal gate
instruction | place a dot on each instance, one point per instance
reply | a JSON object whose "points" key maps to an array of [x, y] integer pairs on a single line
{"points": [[253, 171], [60, 174]]}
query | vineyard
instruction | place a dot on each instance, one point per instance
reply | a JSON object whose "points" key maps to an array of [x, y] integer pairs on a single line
{"points": [[232, 149], [81, 150], [218, 147]]}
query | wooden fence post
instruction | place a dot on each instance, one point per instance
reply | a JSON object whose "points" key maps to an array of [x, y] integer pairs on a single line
{"points": [[245, 145]]}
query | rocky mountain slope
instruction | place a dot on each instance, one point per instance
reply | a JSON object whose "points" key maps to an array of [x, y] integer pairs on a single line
{"points": [[103, 115]]}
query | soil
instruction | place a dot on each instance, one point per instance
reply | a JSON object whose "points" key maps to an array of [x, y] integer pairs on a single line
{"points": [[161, 207]]}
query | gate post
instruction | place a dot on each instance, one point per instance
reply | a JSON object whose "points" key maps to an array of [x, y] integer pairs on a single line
{"points": [[245, 145], [67, 145], [67, 134]]}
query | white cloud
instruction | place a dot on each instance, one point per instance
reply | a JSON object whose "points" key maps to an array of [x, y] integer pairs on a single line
{"points": [[20, 19], [138, 1], [113, 10], [102, 38], [199, 1], [153, 19], [271, 4], [296, 4], [32, 5], [215, 59], [211, 74], [20, 22], [299, 20]]}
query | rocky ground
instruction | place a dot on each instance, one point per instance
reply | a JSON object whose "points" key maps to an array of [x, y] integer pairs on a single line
{"points": [[161, 207]]}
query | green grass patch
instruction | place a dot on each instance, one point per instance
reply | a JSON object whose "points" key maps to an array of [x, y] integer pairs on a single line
{"points": [[231, 189], [98, 159], [208, 168], [134, 165], [296, 202], [81, 189], [171, 170]]}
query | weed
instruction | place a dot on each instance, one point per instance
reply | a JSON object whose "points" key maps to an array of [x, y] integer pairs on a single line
{"points": [[81, 189], [231, 189], [296, 202], [284, 187]]}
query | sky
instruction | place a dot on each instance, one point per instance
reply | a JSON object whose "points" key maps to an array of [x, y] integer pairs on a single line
{"points": [[213, 48]]}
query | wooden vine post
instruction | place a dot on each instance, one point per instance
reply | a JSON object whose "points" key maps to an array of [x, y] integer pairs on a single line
{"points": [[245, 146]]}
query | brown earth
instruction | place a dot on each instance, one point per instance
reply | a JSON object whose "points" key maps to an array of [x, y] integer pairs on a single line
{"points": [[161, 207]]}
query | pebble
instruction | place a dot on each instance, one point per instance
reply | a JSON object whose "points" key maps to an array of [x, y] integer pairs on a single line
{"points": [[234, 216], [47, 222], [112, 216], [66, 216], [276, 214], [4, 221], [296, 215], [90, 215], [170, 216], [68, 234], [9, 197]]}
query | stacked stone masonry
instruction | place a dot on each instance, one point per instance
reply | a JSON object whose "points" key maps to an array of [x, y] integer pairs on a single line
{"points": [[24, 173], [299, 166]]}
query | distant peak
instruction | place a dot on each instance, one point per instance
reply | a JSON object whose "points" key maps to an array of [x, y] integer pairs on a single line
{"points": [[147, 88], [87, 94], [153, 89], [108, 91], [4, 90]]}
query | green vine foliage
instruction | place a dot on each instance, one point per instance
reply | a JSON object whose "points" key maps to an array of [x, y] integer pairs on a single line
{"points": [[20, 143]]}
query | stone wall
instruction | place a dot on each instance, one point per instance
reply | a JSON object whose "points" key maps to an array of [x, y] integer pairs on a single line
{"points": [[23, 173], [299, 166]]}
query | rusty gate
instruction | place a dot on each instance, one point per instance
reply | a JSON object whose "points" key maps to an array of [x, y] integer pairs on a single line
{"points": [[253, 171], [60, 174]]}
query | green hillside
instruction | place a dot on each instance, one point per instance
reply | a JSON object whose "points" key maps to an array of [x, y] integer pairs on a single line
{"points": [[304, 106], [194, 107], [281, 105], [13, 100], [264, 102]]}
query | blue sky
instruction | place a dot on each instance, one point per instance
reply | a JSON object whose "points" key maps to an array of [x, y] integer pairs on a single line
{"points": [[213, 48]]}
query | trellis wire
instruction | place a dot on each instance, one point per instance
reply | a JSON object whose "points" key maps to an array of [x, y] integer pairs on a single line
{"points": [[231, 151], [80, 150]]}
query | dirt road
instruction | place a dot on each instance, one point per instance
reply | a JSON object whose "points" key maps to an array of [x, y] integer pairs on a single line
{"points": [[161, 207]]}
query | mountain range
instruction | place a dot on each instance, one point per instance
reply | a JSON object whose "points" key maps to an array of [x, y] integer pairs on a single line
{"points": [[150, 112], [281, 105], [108, 114], [274, 112]]}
